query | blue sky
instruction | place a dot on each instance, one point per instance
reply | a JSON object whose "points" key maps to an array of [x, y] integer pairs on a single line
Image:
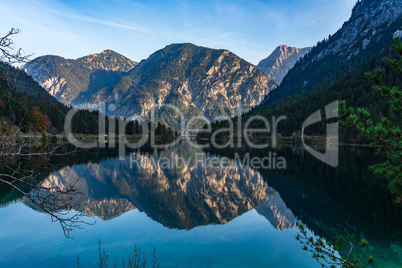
{"points": [[251, 29]]}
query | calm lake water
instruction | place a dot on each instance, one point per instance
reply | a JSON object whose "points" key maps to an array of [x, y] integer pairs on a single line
{"points": [[198, 215]]}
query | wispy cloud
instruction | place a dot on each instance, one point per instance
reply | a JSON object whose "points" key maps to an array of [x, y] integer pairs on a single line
{"points": [[251, 29], [106, 22], [138, 4]]}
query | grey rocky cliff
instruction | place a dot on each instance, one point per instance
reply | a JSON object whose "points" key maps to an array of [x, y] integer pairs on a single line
{"points": [[197, 80], [67, 79], [369, 17], [281, 60], [366, 36], [105, 208]]}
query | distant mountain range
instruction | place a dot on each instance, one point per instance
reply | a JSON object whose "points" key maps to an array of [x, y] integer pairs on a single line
{"points": [[210, 82], [277, 65], [197, 80]]}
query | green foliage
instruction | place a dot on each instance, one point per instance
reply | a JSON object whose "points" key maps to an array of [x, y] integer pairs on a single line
{"points": [[53, 139], [385, 133], [326, 253], [19, 80], [23, 102], [44, 137]]}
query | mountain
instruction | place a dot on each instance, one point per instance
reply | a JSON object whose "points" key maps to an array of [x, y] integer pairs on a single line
{"points": [[90, 200], [277, 65], [24, 102], [192, 194], [197, 80], [66, 79], [21, 98], [366, 35], [335, 70], [19, 81]]}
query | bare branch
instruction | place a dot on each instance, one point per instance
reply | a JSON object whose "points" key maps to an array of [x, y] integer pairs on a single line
{"points": [[59, 202], [9, 54]]}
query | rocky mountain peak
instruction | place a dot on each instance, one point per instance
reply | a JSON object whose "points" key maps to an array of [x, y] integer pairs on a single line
{"points": [[108, 51], [369, 17], [108, 60], [66, 79], [371, 7], [366, 35], [281, 60], [197, 80]]}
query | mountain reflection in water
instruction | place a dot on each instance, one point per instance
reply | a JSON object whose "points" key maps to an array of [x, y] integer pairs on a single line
{"points": [[184, 197], [180, 197]]}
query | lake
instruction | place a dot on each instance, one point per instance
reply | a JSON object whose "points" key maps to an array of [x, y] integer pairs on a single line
{"points": [[201, 215]]}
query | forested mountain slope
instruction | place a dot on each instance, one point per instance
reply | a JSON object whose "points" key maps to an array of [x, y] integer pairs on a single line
{"points": [[24, 102], [366, 35], [335, 70]]}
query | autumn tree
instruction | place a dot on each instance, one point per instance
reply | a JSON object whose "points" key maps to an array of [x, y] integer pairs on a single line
{"points": [[40, 121]]}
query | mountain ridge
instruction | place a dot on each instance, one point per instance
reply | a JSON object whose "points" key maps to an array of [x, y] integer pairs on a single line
{"points": [[197, 80], [367, 34], [25, 103], [66, 79], [281, 60]]}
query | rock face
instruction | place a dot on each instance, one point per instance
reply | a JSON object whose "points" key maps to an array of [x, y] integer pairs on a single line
{"points": [[196, 80], [398, 33], [366, 35], [67, 79], [277, 65], [369, 18]]}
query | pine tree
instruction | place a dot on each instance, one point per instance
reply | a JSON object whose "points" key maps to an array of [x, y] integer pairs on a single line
{"points": [[386, 133]]}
